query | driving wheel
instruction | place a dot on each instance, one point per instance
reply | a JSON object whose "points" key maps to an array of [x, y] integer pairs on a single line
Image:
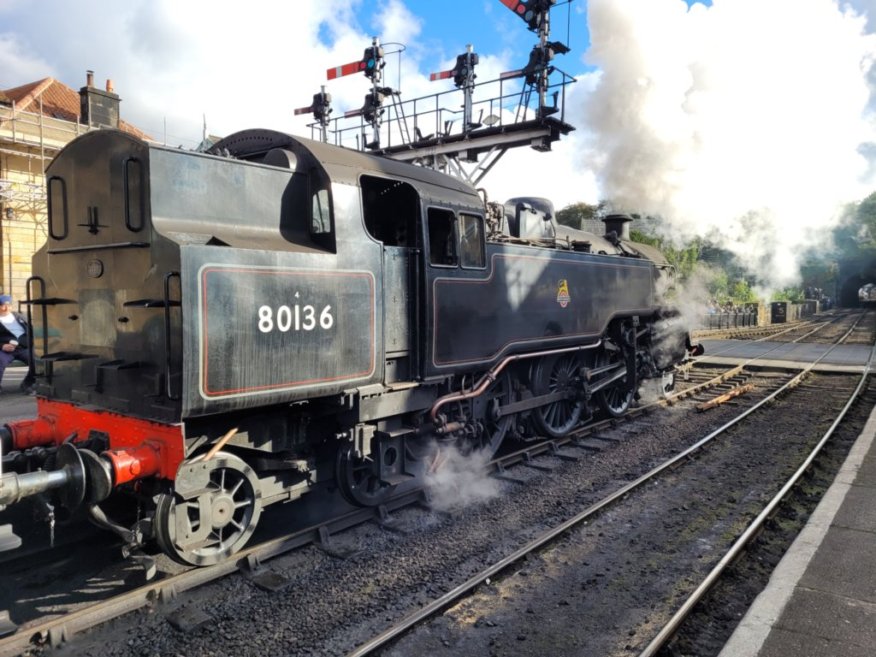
{"points": [[558, 374], [487, 408], [615, 399], [358, 478]]}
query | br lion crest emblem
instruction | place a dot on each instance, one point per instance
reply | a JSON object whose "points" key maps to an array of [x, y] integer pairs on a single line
{"points": [[563, 297]]}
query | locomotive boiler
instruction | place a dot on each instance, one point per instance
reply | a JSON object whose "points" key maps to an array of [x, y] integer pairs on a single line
{"points": [[219, 332]]}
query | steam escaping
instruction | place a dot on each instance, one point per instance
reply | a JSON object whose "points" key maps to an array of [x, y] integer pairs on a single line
{"points": [[457, 479], [744, 123]]}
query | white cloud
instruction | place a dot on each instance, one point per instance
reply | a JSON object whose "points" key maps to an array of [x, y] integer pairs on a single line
{"points": [[15, 56], [174, 63]]}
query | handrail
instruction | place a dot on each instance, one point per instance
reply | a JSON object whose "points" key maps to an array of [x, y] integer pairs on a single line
{"points": [[30, 302], [51, 209], [141, 212], [168, 363], [508, 103]]}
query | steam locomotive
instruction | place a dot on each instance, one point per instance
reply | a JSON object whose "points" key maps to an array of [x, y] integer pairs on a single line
{"points": [[219, 332]]}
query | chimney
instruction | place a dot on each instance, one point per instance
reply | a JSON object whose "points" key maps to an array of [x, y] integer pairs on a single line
{"points": [[97, 108], [619, 223]]}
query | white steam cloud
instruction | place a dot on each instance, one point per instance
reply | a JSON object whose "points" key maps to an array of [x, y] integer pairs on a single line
{"points": [[456, 480], [744, 123]]}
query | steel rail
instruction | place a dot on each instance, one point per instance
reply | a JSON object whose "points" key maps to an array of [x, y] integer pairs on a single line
{"points": [[56, 630], [740, 544], [548, 536]]}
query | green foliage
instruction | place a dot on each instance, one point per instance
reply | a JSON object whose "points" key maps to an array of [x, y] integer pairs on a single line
{"points": [[574, 215], [683, 259], [858, 236], [741, 292], [719, 286], [792, 294]]}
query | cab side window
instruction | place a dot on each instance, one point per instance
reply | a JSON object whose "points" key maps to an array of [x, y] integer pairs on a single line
{"points": [[442, 238], [320, 222], [471, 241]]}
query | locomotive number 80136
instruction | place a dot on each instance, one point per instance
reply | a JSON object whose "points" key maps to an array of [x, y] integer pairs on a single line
{"points": [[282, 316]]}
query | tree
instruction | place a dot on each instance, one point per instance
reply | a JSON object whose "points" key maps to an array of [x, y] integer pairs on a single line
{"points": [[792, 294], [684, 259], [741, 292], [858, 236], [576, 214]]}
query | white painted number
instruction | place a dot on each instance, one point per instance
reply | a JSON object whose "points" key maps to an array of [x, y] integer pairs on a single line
{"points": [[326, 319], [297, 318]]}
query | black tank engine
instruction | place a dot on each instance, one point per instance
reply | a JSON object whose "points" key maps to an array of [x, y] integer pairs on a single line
{"points": [[218, 332]]}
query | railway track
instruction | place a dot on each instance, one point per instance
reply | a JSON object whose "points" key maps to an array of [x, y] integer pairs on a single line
{"points": [[48, 632], [61, 625], [672, 626], [552, 535]]}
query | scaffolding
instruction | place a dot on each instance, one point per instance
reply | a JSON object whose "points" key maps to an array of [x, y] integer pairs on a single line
{"points": [[28, 142]]}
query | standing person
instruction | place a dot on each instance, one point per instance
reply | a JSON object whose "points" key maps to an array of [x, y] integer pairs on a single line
{"points": [[14, 342]]}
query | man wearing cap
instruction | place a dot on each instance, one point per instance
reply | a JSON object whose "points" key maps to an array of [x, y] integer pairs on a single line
{"points": [[14, 342]]}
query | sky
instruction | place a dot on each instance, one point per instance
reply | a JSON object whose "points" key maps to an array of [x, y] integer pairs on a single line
{"points": [[747, 122]]}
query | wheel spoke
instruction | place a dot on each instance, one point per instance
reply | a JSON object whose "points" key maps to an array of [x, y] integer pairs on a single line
{"points": [[232, 491], [557, 375]]}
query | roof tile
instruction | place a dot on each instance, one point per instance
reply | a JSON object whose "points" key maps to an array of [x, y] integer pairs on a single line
{"points": [[58, 101]]}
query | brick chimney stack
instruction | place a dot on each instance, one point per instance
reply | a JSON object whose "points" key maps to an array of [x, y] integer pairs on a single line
{"points": [[97, 108]]}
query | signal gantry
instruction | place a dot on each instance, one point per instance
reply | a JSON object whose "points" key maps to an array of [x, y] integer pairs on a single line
{"points": [[517, 115]]}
